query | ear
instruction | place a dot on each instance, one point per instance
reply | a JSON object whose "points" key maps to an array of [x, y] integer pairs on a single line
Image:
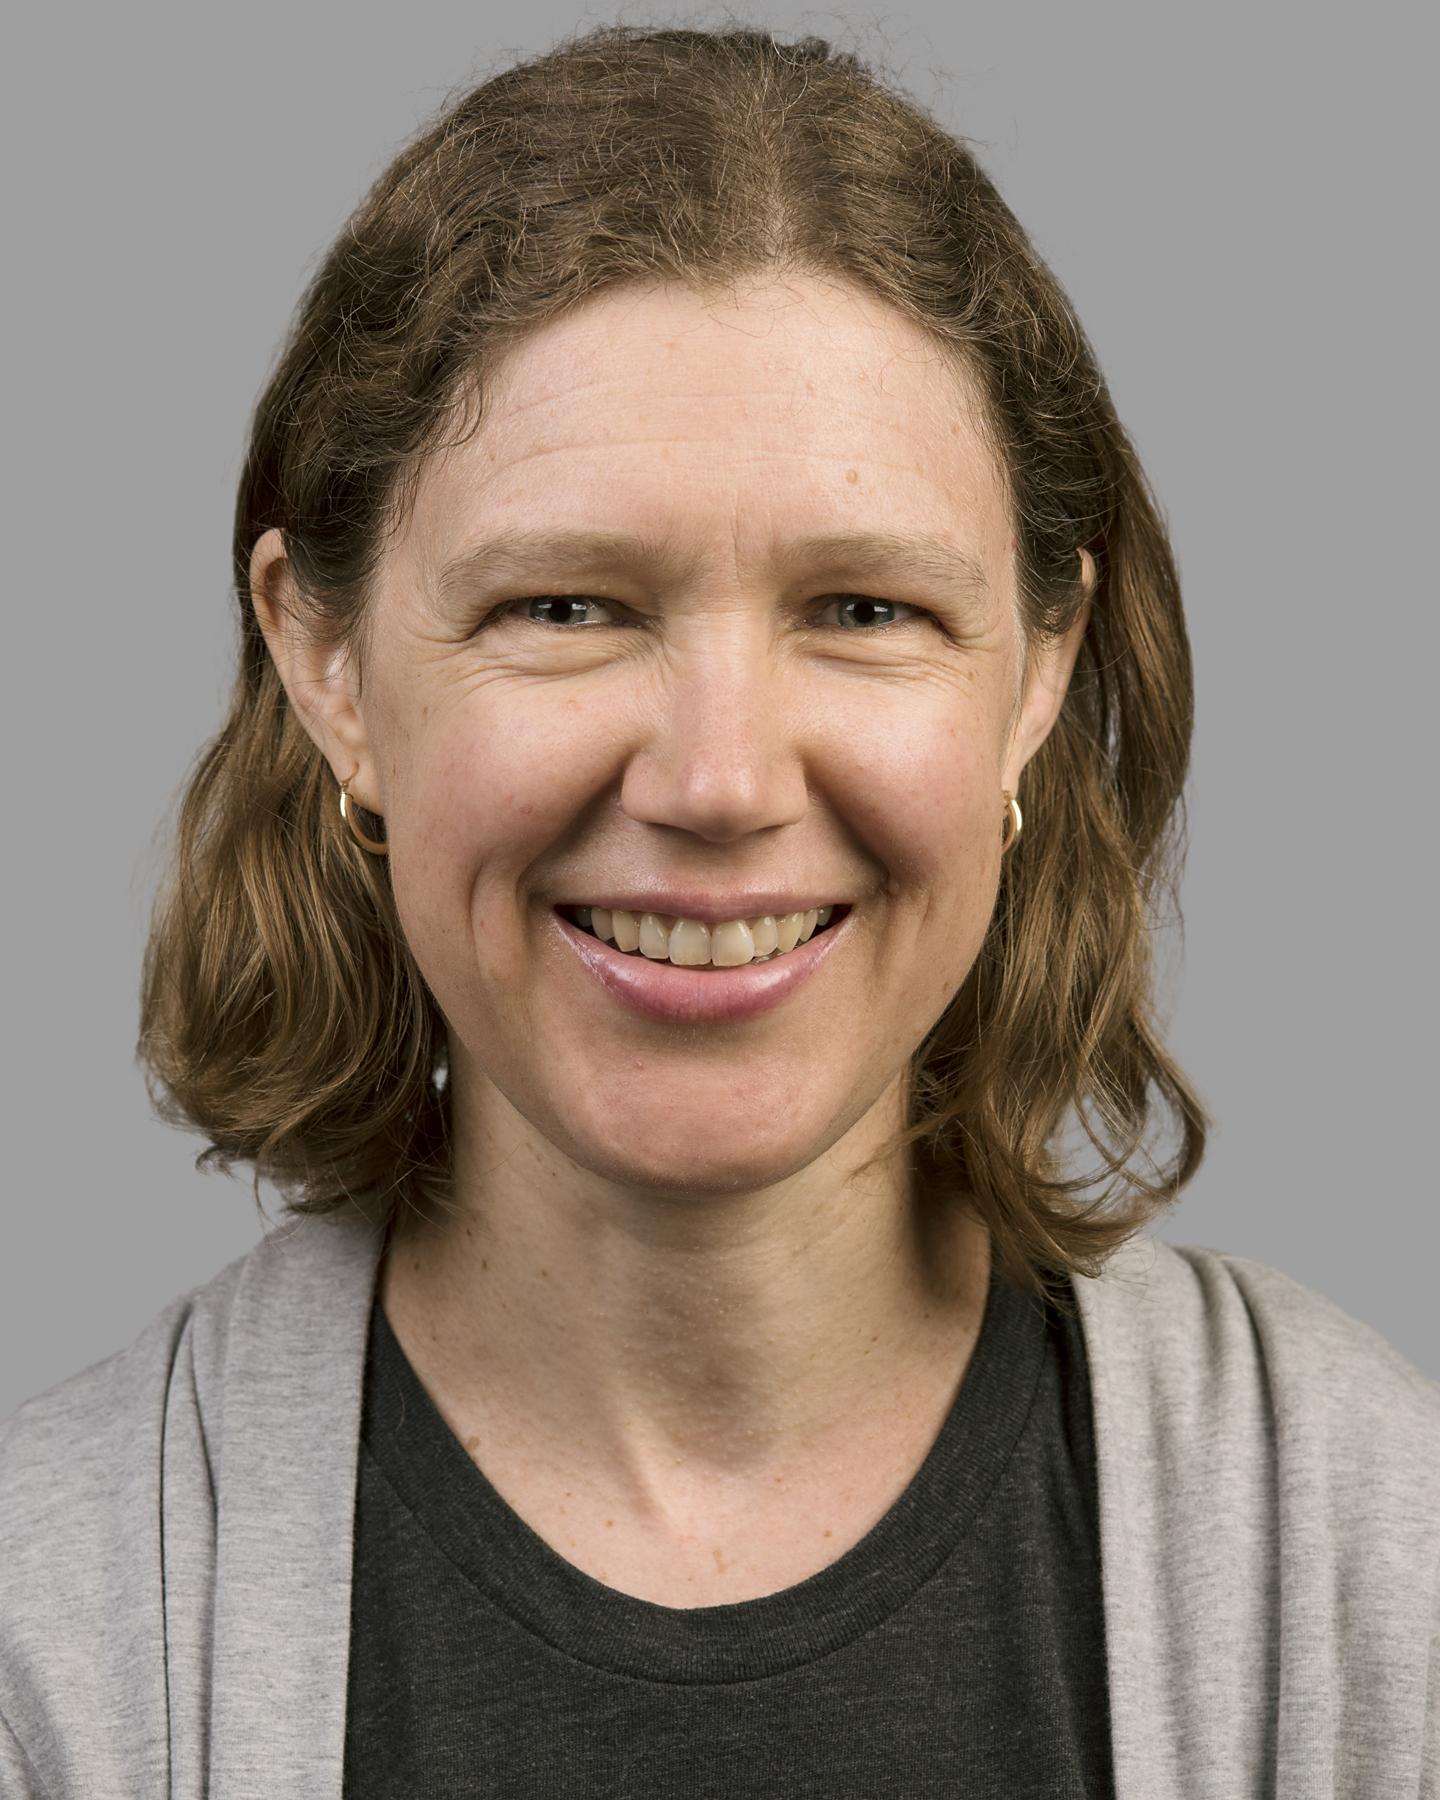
{"points": [[317, 676], [1047, 683]]}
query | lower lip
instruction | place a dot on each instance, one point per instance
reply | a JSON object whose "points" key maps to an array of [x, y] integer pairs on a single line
{"points": [[661, 990]]}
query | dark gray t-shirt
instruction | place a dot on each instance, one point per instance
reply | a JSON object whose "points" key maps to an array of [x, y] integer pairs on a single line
{"points": [[957, 1649]]}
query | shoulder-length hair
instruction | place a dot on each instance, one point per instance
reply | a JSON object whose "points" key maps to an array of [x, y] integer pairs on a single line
{"points": [[282, 1013]]}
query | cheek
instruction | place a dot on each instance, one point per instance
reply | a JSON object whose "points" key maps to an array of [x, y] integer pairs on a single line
{"points": [[929, 806], [486, 793]]}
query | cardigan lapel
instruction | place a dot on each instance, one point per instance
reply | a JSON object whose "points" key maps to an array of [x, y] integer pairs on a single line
{"points": [[1189, 1558], [294, 1366]]}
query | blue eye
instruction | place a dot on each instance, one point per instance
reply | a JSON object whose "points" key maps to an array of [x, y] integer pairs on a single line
{"points": [[864, 600], [867, 624], [570, 600]]}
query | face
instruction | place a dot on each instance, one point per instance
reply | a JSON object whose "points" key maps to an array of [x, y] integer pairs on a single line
{"points": [[714, 708]]}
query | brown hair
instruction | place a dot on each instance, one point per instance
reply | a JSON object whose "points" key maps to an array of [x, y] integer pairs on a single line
{"points": [[282, 1012]]}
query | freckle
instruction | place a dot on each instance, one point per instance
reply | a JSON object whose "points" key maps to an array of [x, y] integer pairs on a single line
{"points": [[608, 1523], [483, 1263], [829, 1534], [851, 476], [470, 1443]]}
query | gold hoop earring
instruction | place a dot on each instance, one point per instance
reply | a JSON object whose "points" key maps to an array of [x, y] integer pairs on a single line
{"points": [[1012, 815], [370, 844]]}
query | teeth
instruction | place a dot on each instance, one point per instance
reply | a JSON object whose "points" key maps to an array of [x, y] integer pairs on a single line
{"points": [[690, 944], [765, 936], [655, 929]]}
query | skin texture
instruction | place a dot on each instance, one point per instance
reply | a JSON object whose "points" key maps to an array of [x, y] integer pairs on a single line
{"points": [[686, 1341]]}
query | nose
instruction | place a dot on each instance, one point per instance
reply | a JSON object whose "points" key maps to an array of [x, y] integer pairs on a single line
{"points": [[725, 753]]}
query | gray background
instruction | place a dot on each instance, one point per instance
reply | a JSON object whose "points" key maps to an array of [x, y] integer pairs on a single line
{"points": [[1237, 200]]}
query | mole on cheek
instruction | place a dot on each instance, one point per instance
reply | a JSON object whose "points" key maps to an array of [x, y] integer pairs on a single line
{"points": [[851, 475]]}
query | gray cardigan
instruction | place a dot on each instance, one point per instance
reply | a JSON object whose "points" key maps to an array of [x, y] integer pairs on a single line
{"points": [[176, 1534]]}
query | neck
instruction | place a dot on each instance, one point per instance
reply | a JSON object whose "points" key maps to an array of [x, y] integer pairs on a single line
{"points": [[660, 1340]]}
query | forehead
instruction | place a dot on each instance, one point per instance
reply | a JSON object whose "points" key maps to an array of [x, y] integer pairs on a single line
{"points": [[801, 409]]}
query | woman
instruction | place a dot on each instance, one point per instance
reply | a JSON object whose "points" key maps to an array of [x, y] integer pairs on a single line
{"points": [[712, 721]]}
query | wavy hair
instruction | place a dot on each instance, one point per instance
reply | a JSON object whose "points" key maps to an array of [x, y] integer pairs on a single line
{"points": [[282, 1014]]}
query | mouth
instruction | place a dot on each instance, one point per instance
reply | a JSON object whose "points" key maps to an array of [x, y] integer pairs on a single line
{"points": [[651, 937], [700, 993]]}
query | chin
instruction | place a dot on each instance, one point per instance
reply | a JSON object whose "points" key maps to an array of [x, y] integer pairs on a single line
{"points": [[671, 1160]]}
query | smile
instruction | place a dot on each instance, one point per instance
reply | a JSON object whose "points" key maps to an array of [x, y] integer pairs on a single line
{"points": [[660, 989], [690, 944]]}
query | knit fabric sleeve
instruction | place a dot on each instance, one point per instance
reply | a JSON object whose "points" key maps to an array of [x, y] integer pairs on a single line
{"points": [[18, 1781], [1430, 1754]]}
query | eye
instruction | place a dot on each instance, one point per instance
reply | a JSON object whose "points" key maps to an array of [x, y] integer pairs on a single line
{"points": [[569, 603], [868, 606]]}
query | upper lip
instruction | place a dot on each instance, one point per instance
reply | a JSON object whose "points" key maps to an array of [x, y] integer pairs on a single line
{"points": [[707, 909]]}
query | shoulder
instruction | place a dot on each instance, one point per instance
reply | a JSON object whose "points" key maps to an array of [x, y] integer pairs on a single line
{"points": [[1244, 1360], [1309, 1345], [81, 1468], [72, 1440], [1214, 1304], [88, 1429], [1344, 1397], [110, 1489], [1339, 1349]]}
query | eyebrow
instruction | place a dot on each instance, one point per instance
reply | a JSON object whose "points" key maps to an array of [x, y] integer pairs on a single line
{"points": [[865, 554]]}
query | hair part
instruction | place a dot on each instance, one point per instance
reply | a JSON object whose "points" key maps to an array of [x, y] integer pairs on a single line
{"points": [[282, 1014]]}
